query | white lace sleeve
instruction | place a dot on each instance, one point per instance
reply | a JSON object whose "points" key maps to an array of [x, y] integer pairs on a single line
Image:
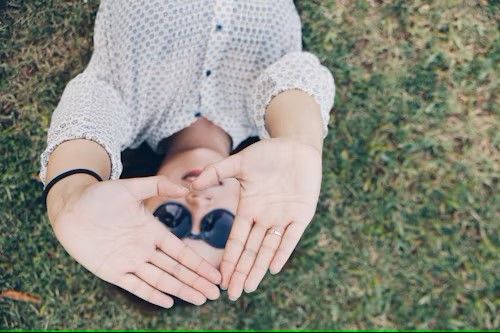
{"points": [[296, 70], [91, 108]]}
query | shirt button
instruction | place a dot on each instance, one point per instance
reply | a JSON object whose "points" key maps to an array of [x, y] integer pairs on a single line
{"points": [[218, 26], [208, 72], [197, 114]]}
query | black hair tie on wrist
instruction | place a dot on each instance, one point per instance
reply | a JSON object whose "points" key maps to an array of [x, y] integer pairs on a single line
{"points": [[64, 175]]}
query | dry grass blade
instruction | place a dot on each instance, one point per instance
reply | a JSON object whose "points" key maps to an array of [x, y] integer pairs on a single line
{"points": [[20, 296]]}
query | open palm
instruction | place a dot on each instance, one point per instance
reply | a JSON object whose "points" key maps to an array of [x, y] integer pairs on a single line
{"points": [[280, 182], [108, 230]]}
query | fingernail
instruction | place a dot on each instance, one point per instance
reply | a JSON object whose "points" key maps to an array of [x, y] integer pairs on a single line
{"points": [[250, 290], [223, 288], [201, 303], [232, 298], [215, 296], [168, 305]]}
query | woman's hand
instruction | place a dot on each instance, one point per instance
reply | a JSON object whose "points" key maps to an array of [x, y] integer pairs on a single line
{"points": [[106, 228], [280, 184]]}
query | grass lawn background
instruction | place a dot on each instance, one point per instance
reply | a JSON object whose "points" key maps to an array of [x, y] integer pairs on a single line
{"points": [[406, 233]]}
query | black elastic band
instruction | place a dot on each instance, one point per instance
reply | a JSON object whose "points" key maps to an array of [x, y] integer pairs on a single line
{"points": [[64, 175]]}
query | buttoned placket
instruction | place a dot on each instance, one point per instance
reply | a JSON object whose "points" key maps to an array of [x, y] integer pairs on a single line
{"points": [[215, 49]]}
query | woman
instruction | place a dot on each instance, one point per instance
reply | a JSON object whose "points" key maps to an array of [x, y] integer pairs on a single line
{"points": [[193, 79]]}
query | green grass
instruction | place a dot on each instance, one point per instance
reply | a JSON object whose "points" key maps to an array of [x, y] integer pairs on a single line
{"points": [[406, 234]]}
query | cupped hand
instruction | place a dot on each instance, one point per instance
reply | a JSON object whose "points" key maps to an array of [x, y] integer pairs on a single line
{"points": [[108, 230], [280, 183]]}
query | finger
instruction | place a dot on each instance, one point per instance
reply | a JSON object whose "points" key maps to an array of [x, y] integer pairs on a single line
{"points": [[214, 173], [246, 261], [138, 287], [166, 283], [288, 243], [185, 275], [264, 258], [147, 187], [178, 250], [234, 247]]}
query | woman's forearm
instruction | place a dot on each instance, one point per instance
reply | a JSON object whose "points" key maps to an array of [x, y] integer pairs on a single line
{"points": [[74, 154], [295, 114]]}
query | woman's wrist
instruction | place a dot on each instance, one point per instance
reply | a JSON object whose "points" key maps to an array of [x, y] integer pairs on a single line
{"points": [[295, 115], [79, 153], [65, 191], [70, 155]]}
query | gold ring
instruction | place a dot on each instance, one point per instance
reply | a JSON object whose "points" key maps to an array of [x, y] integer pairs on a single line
{"points": [[274, 232]]}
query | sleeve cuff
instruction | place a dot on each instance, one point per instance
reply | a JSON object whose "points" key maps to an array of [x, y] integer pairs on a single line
{"points": [[296, 70], [114, 156], [89, 109]]}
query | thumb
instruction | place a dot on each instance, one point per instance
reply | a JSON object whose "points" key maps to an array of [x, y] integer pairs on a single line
{"points": [[214, 173], [146, 187]]}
